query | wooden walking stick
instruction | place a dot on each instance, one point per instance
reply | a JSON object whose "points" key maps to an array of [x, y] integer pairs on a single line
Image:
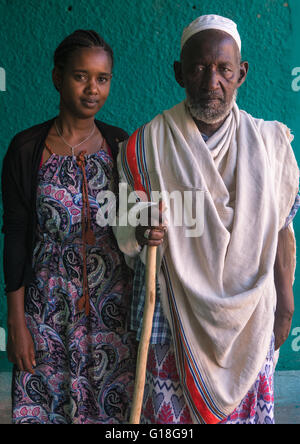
{"points": [[145, 336]]}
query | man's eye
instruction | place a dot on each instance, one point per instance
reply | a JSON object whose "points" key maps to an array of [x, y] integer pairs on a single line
{"points": [[198, 69]]}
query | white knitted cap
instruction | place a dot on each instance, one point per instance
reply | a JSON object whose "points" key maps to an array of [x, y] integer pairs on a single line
{"points": [[211, 22]]}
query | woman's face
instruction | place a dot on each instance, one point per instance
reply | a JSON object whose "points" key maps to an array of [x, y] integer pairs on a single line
{"points": [[84, 82]]}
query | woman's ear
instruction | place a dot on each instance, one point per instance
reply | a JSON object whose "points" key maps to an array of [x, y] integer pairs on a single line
{"points": [[178, 73], [57, 78]]}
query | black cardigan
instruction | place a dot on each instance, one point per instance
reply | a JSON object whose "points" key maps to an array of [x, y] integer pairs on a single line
{"points": [[19, 186]]}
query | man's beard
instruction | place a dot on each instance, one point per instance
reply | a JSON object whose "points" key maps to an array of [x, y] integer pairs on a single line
{"points": [[209, 114]]}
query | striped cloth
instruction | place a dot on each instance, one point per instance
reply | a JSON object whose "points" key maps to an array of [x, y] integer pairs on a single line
{"points": [[161, 333]]}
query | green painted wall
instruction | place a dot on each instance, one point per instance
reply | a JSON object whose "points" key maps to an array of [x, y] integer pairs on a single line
{"points": [[145, 35]]}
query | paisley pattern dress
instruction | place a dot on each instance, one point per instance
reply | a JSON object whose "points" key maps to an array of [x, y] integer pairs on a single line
{"points": [[85, 364]]}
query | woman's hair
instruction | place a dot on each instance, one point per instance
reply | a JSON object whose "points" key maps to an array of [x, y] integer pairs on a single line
{"points": [[77, 40]]}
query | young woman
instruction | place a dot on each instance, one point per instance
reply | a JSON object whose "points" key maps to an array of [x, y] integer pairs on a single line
{"points": [[67, 284]]}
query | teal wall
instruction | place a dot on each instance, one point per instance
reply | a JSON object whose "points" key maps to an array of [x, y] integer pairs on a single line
{"points": [[145, 35]]}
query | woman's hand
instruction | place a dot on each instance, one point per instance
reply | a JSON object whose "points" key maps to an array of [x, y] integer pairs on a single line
{"points": [[20, 348]]}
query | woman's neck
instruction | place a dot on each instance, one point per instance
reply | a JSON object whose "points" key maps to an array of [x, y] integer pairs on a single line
{"points": [[72, 126]]}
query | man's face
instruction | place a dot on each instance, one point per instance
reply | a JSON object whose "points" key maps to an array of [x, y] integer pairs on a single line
{"points": [[211, 72]]}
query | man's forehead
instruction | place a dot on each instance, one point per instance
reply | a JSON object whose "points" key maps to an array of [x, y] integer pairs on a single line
{"points": [[210, 42]]}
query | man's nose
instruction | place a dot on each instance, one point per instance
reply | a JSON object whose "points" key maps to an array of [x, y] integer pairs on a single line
{"points": [[211, 79]]}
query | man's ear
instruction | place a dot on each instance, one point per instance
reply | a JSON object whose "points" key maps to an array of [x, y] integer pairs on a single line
{"points": [[57, 77], [178, 73], [244, 68]]}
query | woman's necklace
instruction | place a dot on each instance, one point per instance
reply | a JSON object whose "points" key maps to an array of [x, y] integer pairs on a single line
{"points": [[74, 146]]}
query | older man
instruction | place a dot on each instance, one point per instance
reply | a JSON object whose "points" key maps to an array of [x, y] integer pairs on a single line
{"points": [[212, 353]]}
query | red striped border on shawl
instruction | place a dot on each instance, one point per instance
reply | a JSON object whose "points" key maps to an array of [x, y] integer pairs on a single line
{"points": [[134, 163], [197, 394]]}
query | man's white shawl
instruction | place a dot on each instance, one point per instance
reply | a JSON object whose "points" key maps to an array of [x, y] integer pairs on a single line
{"points": [[220, 294]]}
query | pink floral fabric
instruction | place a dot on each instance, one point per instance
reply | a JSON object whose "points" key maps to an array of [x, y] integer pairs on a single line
{"points": [[164, 402]]}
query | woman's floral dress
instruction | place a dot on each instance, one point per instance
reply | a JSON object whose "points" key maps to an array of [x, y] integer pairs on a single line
{"points": [[85, 364]]}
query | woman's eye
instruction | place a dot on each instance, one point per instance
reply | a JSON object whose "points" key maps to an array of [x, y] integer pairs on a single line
{"points": [[80, 77], [102, 79]]}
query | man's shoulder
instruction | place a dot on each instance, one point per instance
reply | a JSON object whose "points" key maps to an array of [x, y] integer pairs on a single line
{"points": [[277, 138], [158, 122], [271, 129]]}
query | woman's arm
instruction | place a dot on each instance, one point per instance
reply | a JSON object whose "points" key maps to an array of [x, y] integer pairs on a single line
{"points": [[284, 276], [20, 347]]}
